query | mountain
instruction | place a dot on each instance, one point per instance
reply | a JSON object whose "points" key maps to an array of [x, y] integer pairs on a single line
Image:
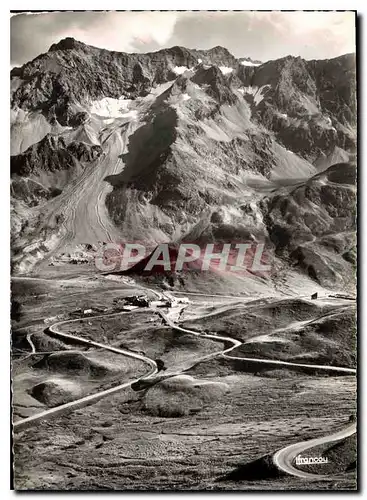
{"points": [[184, 145]]}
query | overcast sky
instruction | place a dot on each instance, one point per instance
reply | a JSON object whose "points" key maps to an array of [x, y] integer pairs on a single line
{"points": [[259, 35]]}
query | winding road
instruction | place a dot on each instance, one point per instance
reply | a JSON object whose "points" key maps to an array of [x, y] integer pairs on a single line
{"points": [[92, 398], [283, 459]]}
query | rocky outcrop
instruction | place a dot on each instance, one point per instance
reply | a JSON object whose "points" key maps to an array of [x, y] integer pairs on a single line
{"points": [[41, 172], [52, 154], [73, 71]]}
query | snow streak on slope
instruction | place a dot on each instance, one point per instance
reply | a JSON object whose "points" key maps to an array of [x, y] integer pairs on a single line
{"points": [[249, 63], [81, 204], [225, 70], [179, 70], [111, 108], [256, 92]]}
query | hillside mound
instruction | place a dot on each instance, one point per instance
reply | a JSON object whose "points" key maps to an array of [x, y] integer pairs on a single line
{"points": [[181, 395], [44, 342], [313, 225], [55, 392], [244, 322], [73, 362], [328, 339]]}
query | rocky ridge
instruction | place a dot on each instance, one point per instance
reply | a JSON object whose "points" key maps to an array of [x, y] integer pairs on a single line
{"points": [[185, 144]]}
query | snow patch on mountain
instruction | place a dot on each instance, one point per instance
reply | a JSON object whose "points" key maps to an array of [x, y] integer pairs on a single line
{"points": [[256, 92], [110, 108], [287, 164], [15, 83], [249, 63], [84, 133], [155, 92], [179, 70], [225, 70], [259, 95]]}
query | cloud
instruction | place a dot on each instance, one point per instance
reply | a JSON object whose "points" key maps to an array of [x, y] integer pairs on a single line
{"points": [[120, 31], [269, 35], [260, 35]]}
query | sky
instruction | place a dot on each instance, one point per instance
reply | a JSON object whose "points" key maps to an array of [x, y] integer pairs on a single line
{"points": [[259, 35]]}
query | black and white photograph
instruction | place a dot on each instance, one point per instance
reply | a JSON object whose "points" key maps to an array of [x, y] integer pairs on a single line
{"points": [[183, 232]]}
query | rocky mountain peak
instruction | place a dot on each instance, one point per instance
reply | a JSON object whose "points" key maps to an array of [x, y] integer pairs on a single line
{"points": [[67, 43], [222, 51]]}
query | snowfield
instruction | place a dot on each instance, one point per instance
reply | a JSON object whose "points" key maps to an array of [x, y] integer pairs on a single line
{"points": [[249, 63], [179, 70], [110, 108], [257, 92], [225, 70]]}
